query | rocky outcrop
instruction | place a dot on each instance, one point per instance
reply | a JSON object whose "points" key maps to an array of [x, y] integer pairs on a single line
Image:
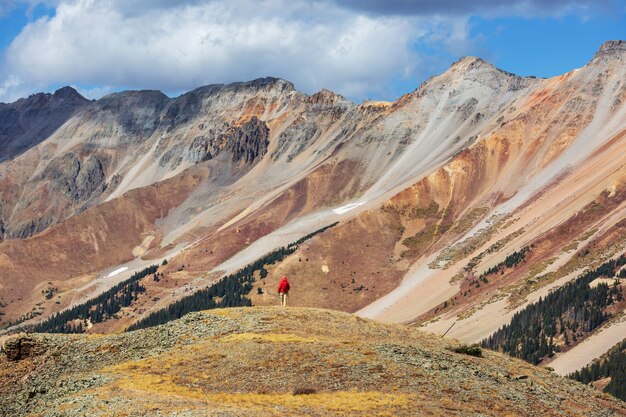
{"points": [[249, 141], [294, 139], [610, 50], [467, 108], [29, 228], [24, 346], [173, 156], [77, 181], [198, 150], [91, 179]]}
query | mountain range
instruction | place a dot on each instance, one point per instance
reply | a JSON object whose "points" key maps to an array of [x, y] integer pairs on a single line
{"points": [[458, 205]]}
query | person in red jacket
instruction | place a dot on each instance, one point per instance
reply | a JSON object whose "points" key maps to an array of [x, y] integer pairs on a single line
{"points": [[283, 290]]}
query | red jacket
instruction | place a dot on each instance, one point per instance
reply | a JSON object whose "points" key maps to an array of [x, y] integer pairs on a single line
{"points": [[283, 287]]}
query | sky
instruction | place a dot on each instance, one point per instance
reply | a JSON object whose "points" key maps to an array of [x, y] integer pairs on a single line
{"points": [[362, 49]]}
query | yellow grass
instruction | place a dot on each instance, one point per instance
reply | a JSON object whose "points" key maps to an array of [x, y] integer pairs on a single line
{"points": [[336, 401], [162, 385], [232, 313], [267, 337], [165, 386]]}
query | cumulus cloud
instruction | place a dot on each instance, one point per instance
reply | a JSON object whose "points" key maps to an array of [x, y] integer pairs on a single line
{"points": [[9, 87], [355, 47], [175, 46]]}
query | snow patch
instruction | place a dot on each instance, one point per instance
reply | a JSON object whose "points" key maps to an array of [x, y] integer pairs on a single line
{"points": [[117, 271], [347, 207]]}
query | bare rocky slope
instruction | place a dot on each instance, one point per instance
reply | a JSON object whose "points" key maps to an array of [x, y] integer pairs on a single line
{"points": [[272, 361], [431, 191]]}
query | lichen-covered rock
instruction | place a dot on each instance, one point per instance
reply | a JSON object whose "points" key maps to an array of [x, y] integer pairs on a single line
{"points": [[20, 347]]}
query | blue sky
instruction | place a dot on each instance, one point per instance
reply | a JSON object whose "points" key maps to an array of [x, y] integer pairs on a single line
{"points": [[360, 48]]}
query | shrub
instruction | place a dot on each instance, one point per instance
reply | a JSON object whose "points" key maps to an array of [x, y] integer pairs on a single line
{"points": [[304, 391], [472, 350]]}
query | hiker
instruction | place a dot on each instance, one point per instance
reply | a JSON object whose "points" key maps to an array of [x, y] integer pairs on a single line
{"points": [[283, 290]]}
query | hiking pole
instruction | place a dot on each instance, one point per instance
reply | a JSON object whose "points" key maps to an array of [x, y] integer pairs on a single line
{"points": [[448, 330]]}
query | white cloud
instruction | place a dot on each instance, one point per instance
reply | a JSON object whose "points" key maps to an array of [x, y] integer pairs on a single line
{"points": [[12, 88], [174, 45], [360, 48], [94, 92]]}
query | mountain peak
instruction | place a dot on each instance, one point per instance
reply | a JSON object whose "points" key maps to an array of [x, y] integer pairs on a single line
{"points": [[68, 92], [468, 60], [612, 46], [278, 85], [325, 96], [468, 63], [610, 50], [262, 83]]}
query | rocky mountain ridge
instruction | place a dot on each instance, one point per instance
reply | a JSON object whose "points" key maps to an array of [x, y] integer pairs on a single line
{"points": [[29, 121]]}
